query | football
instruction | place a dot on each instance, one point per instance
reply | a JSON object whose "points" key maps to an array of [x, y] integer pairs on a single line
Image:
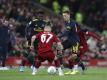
{"points": [[51, 70]]}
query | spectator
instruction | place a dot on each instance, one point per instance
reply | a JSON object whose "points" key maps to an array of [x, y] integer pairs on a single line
{"points": [[4, 40]]}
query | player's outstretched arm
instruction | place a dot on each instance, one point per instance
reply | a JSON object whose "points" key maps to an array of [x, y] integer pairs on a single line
{"points": [[32, 42]]}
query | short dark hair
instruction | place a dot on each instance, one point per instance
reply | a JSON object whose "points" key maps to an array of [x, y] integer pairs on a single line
{"points": [[68, 12]]}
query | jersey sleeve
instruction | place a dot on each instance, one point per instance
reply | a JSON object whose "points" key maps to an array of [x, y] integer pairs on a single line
{"points": [[56, 39], [94, 35], [38, 35]]}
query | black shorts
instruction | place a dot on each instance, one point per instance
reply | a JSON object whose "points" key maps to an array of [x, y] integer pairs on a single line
{"points": [[71, 44]]}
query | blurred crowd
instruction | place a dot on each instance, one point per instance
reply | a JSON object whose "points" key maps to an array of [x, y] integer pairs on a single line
{"points": [[92, 12], [16, 14]]}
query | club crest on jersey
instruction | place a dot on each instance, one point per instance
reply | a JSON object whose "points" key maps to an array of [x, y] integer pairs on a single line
{"points": [[68, 27]]}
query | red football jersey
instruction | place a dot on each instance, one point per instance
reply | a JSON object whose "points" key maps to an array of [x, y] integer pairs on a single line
{"points": [[82, 38], [46, 40]]}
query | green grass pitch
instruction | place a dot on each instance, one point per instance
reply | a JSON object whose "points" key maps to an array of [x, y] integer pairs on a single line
{"points": [[91, 74]]}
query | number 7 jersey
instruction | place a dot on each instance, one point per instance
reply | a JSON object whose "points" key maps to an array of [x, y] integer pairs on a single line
{"points": [[46, 40]]}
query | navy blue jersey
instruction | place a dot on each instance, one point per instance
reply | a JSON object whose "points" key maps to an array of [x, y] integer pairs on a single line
{"points": [[34, 27], [71, 31]]}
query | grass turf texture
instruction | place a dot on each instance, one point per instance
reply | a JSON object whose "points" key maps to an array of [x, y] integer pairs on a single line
{"points": [[91, 74]]}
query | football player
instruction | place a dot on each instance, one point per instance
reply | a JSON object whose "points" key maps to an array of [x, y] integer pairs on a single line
{"points": [[45, 52], [35, 26]]}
